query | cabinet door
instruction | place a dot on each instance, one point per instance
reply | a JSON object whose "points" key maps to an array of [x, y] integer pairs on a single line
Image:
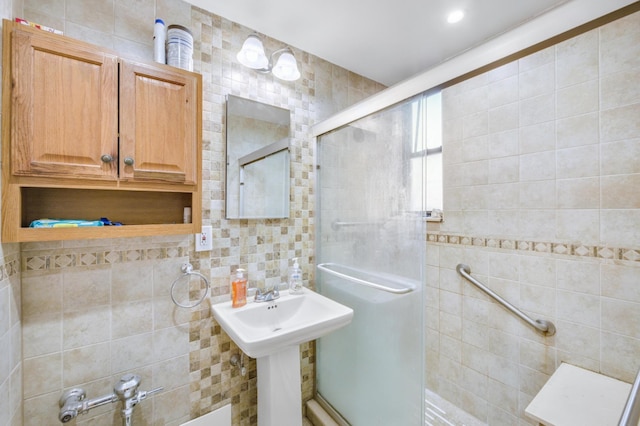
{"points": [[64, 118], [158, 123]]}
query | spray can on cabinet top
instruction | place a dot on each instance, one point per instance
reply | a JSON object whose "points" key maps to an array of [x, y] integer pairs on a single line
{"points": [[238, 288], [159, 41], [295, 278]]}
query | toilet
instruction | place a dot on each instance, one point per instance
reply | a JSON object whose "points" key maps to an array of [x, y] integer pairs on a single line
{"points": [[219, 417]]}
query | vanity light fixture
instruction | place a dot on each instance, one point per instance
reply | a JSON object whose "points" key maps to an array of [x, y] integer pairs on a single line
{"points": [[252, 55]]}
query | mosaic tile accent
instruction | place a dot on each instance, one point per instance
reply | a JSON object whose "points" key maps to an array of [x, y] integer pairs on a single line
{"points": [[52, 261], [568, 249], [9, 267]]}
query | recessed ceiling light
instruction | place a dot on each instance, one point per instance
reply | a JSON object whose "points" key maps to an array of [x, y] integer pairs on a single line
{"points": [[455, 16]]}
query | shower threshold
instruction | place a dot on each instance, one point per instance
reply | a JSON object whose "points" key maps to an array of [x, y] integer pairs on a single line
{"points": [[440, 412]]}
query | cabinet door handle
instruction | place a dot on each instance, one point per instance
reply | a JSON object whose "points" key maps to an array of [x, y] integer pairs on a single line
{"points": [[106, 158], [128, 161]]}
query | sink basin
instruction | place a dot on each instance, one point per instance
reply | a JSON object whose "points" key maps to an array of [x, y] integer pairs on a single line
{"points": [[262, 329]]}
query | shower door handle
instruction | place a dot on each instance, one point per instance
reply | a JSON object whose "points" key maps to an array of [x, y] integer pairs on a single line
{"points": [[326, 267]]}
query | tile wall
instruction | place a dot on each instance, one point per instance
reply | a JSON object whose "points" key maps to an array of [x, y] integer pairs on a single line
{"points": [[92, 310], [542, 201]]}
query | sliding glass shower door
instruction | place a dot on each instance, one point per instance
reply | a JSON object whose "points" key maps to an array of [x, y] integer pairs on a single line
{"points": [[370, 255]]}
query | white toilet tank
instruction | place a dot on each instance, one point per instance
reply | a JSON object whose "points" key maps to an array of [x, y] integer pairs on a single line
{"points": [[220, 417]]}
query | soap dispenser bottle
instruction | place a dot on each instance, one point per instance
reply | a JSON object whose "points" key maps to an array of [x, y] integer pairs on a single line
{"points": [[295, 278], [238, 288]]}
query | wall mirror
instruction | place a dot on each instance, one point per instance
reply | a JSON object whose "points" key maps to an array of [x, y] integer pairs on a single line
{"points": [[257, 172]]}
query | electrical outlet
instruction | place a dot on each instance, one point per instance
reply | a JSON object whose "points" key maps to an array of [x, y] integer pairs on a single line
{"points": [[204, 240]]}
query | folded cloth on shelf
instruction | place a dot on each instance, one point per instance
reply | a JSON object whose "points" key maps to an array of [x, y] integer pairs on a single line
{"points": [[64, 223]]}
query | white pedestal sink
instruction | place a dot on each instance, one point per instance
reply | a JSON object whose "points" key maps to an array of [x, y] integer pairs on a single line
{"points": [[271, 332]]}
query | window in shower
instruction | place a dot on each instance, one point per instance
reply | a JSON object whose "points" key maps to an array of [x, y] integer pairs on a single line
{"points": [[427, 147]]}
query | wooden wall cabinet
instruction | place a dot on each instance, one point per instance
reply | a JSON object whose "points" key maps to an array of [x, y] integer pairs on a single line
{"points": [[87, 134]]}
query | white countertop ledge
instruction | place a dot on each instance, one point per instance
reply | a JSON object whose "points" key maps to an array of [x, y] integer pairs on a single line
{"points": [[574, 396]]}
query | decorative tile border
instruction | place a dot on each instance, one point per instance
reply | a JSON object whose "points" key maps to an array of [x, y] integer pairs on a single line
{"points": [[9, 266], [58, 261], [568, 249]]}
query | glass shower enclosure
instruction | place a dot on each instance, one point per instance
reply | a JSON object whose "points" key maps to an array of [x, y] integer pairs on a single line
{"points": [[370, 256]]}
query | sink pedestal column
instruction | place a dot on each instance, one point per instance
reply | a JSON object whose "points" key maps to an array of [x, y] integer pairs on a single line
{"points": [[279, 392]]}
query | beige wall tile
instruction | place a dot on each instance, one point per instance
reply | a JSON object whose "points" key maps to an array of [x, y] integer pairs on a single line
{"points": [[620, 282], [538, 299], [538, 109], [537, 195], [504, 196], [502, 91], [502, 72], [621, 317], [504, 118], [92, 14], [577, 276], [620, 191], [620, 227], [538, 166], [579, 308], [41, 374], [578, 130], [536, 224], [538, 270], [578, 99], [86, 364], [537, 81], [83, 289], [475, 197], [44, 16], [474, 149], [5, 310], [537, 138], [41, 295], [577, 162], [135, 20], [619, 48], [86, 326], [620, 123], [583, 193], [578, 339], [131, 353], [475, 125], [620, 157], [503, 144], [578, 225], [619, 89], [132, 283], [5, 362], [475, 173], [42, 334], [128, 319], [577, 59], [48, 7], [619, 356], [537, 59]]}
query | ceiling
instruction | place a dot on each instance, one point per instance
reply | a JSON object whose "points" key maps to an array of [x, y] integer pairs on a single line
{"points": [[385, 40]]}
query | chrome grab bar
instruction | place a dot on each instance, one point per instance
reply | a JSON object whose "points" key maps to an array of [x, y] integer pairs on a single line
{"points": [[336, 225], [631, 413], [326, 267], [543, 326]]}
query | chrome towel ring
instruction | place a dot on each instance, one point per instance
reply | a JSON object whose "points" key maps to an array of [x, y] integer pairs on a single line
{"points": [[187, 268]]}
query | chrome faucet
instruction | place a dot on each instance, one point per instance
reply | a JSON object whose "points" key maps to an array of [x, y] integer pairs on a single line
{"points": [[267, 295], [73, 402]]}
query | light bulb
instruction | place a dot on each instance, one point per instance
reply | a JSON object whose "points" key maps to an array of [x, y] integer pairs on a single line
{"points": [[455, 16], [252, 53], [286, 68]]}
